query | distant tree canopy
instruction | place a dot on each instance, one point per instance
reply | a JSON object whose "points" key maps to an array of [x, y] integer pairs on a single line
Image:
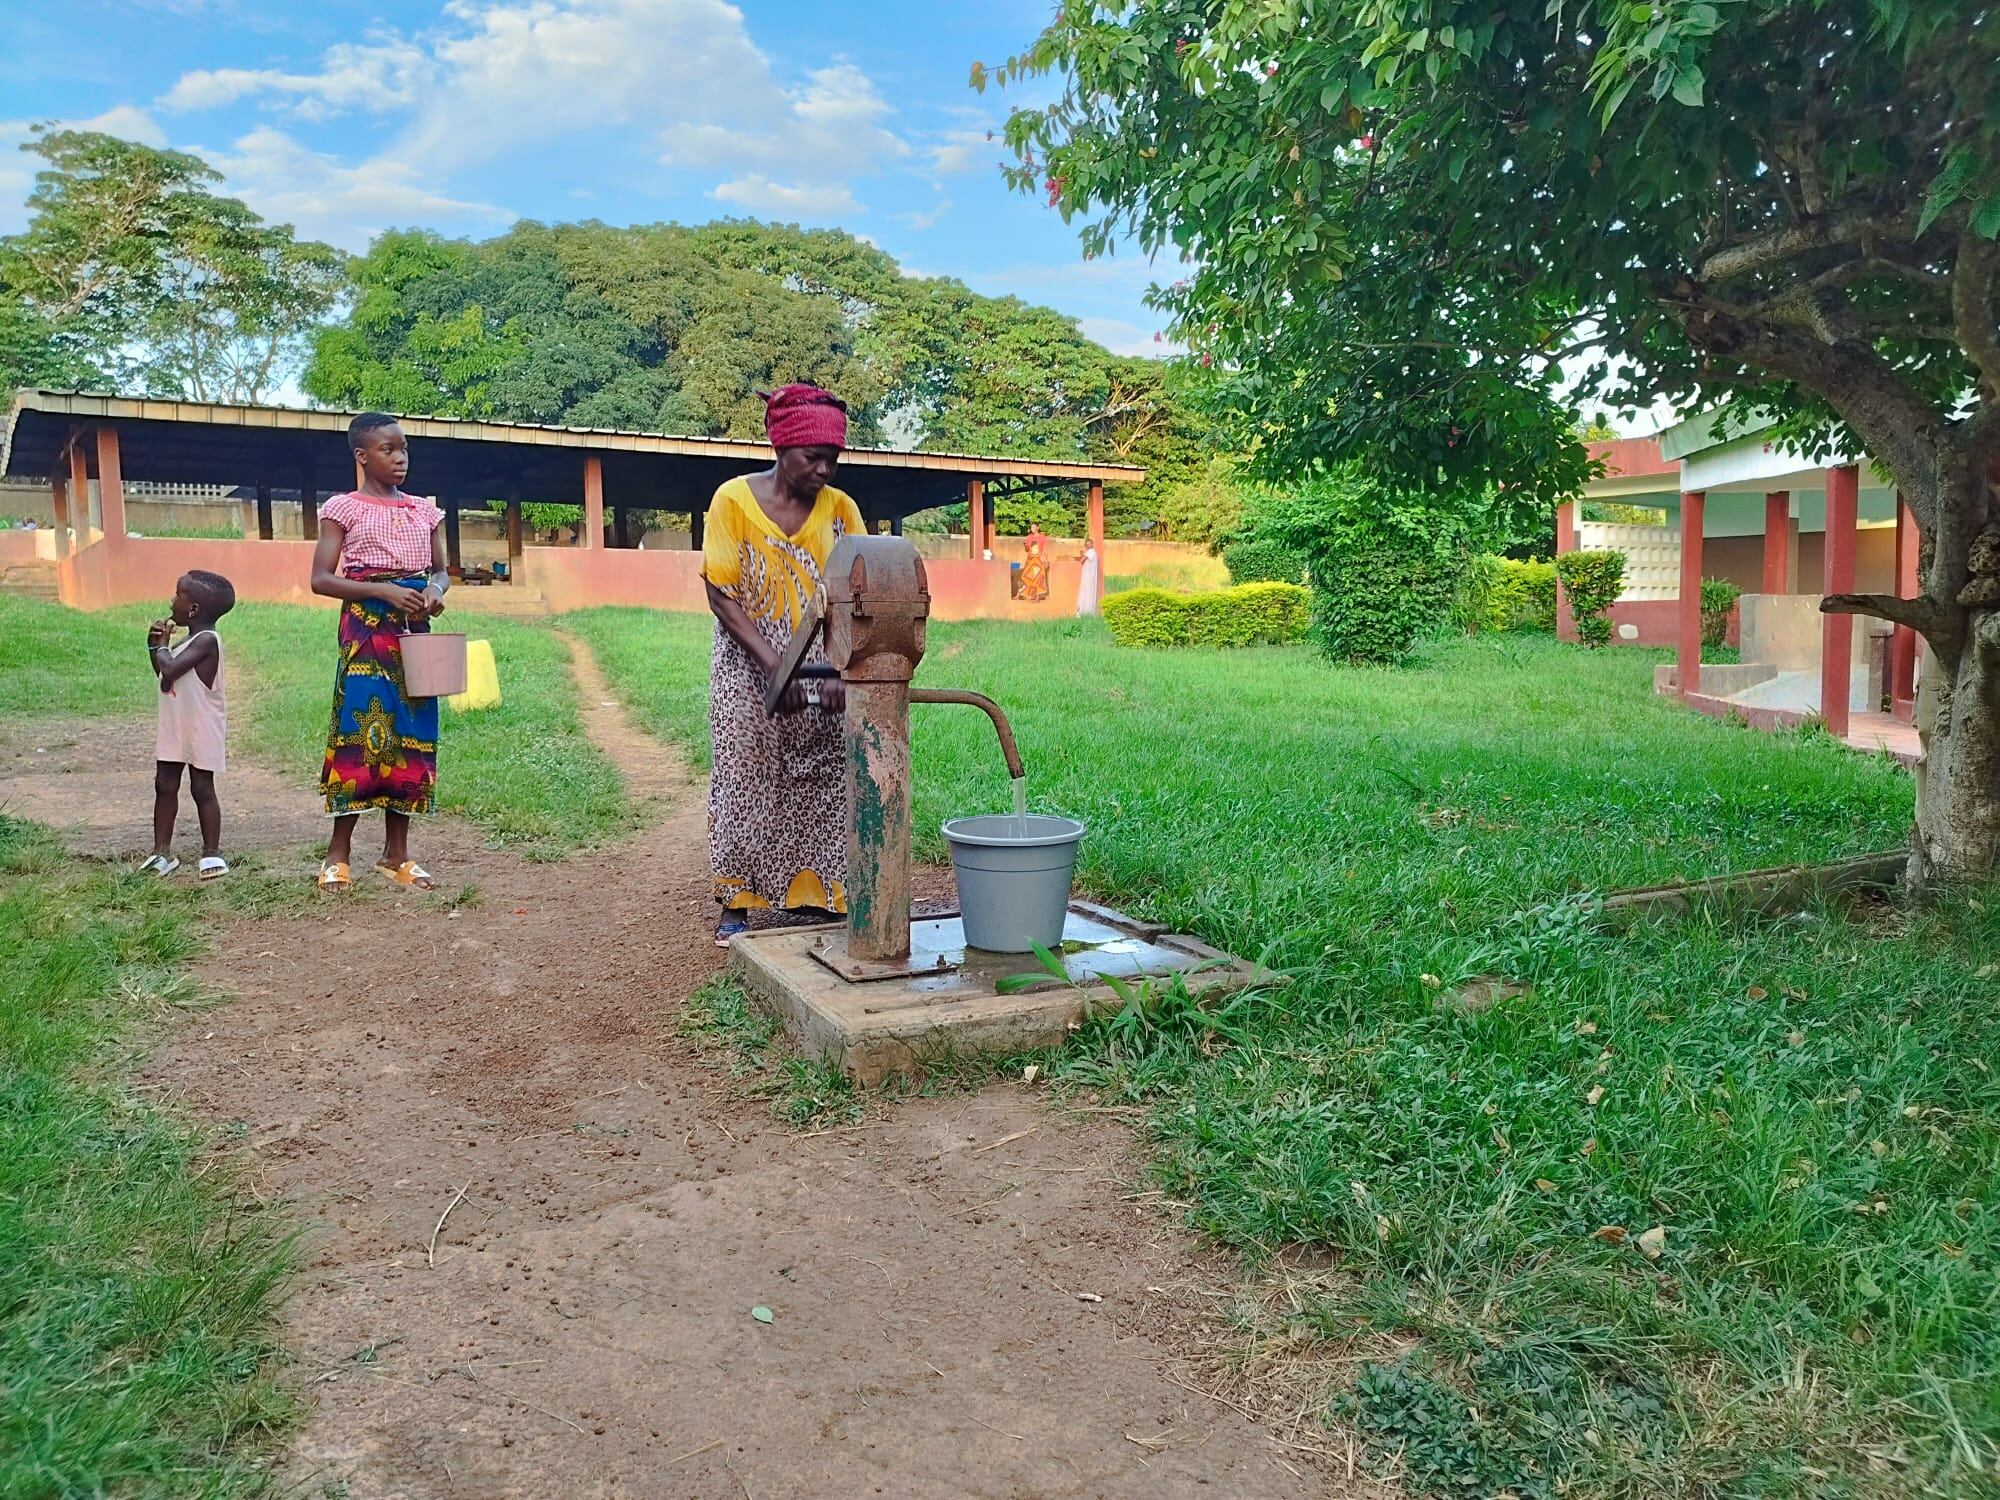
{"points": [[673, 329], [134, 274]]}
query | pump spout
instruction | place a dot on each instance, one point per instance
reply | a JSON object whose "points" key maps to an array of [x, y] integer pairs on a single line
{"points": [[992, 711]]}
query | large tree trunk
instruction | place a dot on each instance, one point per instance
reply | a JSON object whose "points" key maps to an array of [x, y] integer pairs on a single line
{"points": [[1958, 787]]}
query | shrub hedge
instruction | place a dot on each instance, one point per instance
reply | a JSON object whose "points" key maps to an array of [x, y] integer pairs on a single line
{"points": [[1248, 614], [1262, 560], [1718, 598], [1522, 595], [1593, 581]]}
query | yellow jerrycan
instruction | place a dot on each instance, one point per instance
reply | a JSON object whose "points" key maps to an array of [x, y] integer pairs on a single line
{"points": [[482, 680]]}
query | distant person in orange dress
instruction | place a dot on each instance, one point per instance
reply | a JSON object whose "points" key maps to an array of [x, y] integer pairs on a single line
{"points": [[1035, 566]]}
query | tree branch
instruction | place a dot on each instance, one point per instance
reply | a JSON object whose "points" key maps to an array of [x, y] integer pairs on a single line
{"points": [[1920, 614], [1777, 246], [1972, 311]]}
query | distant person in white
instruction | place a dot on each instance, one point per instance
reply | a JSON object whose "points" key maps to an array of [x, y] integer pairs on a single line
{"points": [[1086, 594]]}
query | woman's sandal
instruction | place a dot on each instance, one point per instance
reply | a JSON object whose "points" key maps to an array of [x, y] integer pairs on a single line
{"points": [[729, 928], [161, 865], [333, 876], [212, 867], [410, 875]]}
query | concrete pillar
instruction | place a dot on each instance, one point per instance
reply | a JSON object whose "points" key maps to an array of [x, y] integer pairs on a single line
{"points": [[1095, 517], [452, 558], [593, 502], [59, 497], [975, 511], [1694, 505], [1836, 657], [1778, 542], [110, 484], [1565, 543], [1903, 644], [308, 506], [621, 527], [83, 512], [265, 529], [514, 542]]}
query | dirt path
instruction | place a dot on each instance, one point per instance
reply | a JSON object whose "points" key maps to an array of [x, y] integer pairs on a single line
{"points": [[611, 1215]]}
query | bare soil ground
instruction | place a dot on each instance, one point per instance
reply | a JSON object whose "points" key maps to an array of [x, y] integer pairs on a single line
{"points": [[536, 1222]]}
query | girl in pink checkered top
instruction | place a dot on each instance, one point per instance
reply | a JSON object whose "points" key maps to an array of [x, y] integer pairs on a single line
{"points": [[382, 553]]}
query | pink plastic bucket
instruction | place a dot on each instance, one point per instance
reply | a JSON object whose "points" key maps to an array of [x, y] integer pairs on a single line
{"points": [[433, 664]]}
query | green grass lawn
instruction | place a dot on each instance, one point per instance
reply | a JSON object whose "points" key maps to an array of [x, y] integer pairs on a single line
{"points": [[1804, 1108], [137, 1287], [525, 772]]}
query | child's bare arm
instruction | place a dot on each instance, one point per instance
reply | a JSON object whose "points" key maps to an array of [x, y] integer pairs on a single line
{"points": [[198, 652]]}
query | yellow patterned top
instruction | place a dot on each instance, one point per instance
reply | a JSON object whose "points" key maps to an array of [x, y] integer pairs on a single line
{"points": [[773, 576]]}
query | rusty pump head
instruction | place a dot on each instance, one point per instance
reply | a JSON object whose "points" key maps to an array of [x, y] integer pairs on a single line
{"points": [[872, 609]]}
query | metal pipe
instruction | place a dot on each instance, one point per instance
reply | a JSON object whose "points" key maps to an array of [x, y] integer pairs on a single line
{"points": [[992, 710]]}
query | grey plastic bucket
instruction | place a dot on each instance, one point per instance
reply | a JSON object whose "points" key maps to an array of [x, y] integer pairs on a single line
{"points": [[1013, 878]]}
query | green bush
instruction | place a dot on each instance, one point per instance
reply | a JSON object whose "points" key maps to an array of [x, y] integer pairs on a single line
{"points": [[1147, 617], [1375, 603], [1523, 595], [1593, 581], [1718, 598], [1262, 560], [1472, 599], [1250, 614]]}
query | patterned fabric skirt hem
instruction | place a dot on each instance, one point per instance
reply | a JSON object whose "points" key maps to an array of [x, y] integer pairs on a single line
{"points": [[381, 745], [808, 891]]}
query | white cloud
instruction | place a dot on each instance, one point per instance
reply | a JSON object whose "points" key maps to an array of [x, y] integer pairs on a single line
{"points": [[958, 151], [498, 76], [126, 121], [927, 218], [326, 200], [758, 194], [379, 76], [1121, 336]]}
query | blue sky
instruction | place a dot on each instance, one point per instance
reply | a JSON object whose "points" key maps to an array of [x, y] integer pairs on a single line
{"points": [[344, 119]]}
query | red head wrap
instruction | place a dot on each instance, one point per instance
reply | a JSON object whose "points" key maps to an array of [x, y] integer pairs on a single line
{"points": [[804, 416]]}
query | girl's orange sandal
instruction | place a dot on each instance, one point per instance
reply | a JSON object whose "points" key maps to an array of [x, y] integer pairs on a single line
{"points": [[334, 877], [409, 874]]}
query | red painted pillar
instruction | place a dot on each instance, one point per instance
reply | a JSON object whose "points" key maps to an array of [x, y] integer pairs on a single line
{"points": [[59, 495], [1903, 645], [110, 485], [79, 491], [1836, 651], [1778, 542], [975, 510], [1694, 504], [593, 502], [1565, 542], [1097, 531]]}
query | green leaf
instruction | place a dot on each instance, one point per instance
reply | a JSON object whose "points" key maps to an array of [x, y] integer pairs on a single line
{"points": [[762, 1314], [1688, 85], [1959, 170]]}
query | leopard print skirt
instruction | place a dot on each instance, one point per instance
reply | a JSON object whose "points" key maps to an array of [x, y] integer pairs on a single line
{"points": [[777, 796]]}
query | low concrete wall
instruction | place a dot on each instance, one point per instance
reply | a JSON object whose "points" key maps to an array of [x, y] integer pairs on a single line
{"points": [[1658, 622], [1787, 631], [131, 570]]}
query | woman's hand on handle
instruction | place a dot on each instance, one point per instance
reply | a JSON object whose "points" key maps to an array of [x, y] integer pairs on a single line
{"points": [[406, 601]]}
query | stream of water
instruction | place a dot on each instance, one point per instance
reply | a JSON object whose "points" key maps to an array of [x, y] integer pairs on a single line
{"points": [[1020, 807]]}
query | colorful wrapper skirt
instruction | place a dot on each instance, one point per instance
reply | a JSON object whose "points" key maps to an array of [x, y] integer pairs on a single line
{"points": [[381, 749]]}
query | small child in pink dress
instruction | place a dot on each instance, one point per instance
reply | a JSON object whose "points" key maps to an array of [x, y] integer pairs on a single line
{"points": [[193, 719]]}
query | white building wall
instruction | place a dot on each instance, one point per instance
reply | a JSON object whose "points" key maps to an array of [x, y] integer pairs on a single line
{"points": [[1652, 556]]}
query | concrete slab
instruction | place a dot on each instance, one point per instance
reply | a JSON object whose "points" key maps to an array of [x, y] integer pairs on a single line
{"points": [[906, 1024]]}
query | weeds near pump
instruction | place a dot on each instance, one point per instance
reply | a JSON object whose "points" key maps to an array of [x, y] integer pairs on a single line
{"points": [[803, 1092]]}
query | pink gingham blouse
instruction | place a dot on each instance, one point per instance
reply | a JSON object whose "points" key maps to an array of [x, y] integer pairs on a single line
{"points": [[383, 535]]}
